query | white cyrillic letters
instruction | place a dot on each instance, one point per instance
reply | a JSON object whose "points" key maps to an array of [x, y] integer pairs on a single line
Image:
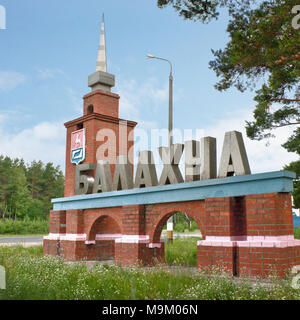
{"points": [[103, 179], [123, 179], [200, 163], [200, 159], [171, 158], [234, 160], [145, 173], [84, 183]]}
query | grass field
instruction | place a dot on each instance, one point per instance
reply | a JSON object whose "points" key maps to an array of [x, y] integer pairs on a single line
{"points": [[182, 252], [31, 276], [9, 227]]}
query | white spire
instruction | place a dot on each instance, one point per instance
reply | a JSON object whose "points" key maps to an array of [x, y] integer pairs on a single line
{"points": [[101, 80], [101, 60]]}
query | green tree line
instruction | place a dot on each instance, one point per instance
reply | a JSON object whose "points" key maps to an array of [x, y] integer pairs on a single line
{"points": [[26, 190]]}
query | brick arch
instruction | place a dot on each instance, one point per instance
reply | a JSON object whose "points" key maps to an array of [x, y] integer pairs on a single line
{"points": [[103, 224], [195, 213]]}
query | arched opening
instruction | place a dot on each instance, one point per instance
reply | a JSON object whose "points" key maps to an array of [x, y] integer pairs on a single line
{"points": [[90, 109], [182, 251], [101, 238], [79, 126]]}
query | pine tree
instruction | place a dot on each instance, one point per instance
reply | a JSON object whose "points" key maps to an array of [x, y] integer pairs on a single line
{"points": [[264, 49]]}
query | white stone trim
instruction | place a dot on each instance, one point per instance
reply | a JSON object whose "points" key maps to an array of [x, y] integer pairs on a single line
{"points": [[251, 241], [133, 239], [117, 237], [108, 236], [66, 236], [250, 238]]}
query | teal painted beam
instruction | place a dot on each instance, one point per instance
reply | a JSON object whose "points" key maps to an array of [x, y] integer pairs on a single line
{"points": [[277, 181]]}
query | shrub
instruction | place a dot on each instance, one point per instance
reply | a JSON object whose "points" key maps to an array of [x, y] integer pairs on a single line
{"points": [[26, 226], [182, 251]]}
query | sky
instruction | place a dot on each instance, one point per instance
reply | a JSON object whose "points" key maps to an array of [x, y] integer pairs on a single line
{"points": [[49, 48]]}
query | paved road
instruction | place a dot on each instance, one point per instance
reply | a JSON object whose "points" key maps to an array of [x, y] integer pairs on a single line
{"points": [[39, 239], [20, 240]]}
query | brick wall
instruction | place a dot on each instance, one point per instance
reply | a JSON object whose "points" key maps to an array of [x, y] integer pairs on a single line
{"points": [[103, 102], [264, 261], [222, 258], [128, 254], [57, 223], [245, 236], [269, 214]]}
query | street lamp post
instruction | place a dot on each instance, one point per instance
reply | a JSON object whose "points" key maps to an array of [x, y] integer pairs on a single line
{"points": [[170, 222], [150, 56]]}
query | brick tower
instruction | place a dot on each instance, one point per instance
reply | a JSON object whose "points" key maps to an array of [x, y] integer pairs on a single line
{"points": [[106, 134]]}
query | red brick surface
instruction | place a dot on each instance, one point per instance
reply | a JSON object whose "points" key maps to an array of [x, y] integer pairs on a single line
{"points": [[57, 223], [103, 102], [262, 262]]}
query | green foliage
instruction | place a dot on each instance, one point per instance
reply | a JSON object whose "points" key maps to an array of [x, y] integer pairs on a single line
{"points": [[26, 226], [297, 233], [183, 222], [264, 46], [203, 10], [27, 190], [182, 251], [30, 276], [184, 226], [295, 166]]}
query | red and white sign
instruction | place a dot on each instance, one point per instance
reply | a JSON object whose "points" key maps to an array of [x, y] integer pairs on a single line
{"points": [[78, 146]]}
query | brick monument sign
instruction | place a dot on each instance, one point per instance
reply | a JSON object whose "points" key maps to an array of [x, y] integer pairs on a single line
{"points": [[245, 219]]}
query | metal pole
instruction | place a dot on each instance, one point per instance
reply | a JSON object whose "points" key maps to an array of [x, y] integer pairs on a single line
{"points": [[170, 109], [170, 222]]}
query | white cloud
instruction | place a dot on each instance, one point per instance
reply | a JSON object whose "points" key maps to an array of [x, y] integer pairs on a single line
{"points": [[9, 80], [264, 155], [45, 141], [48, 73], [135, 96]]}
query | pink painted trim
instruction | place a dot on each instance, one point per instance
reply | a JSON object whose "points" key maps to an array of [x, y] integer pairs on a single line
{"points": [[264, 244], [108, 236], [53, 236], [250, 238], [154, 245], [66, 237], [133, 239], [233, 238], [90, 242], [80, 237], [255, 244]]}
